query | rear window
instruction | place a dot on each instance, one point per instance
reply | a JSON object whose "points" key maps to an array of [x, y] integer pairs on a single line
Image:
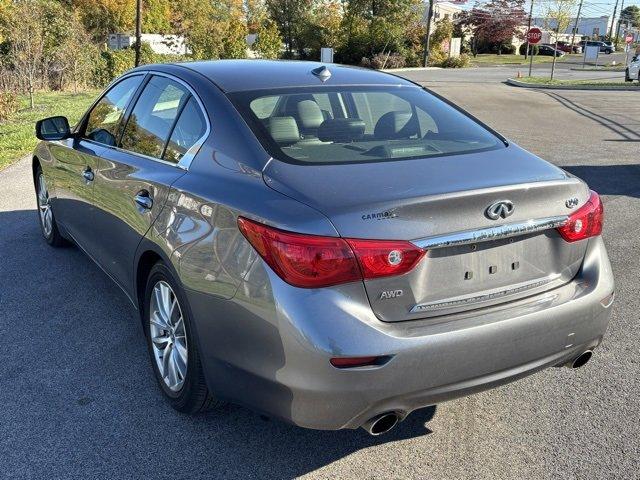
{"points": [[359, 124]]}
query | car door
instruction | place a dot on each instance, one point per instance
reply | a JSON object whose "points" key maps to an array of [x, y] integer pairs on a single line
{"points": [[162, 130], [77, 157]]}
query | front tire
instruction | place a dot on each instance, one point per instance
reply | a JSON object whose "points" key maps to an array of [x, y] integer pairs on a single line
{"points": [[48, 224], [172, 343]]}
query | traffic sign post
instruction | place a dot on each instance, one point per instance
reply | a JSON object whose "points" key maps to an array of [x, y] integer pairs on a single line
{"points": [[534, 35]]}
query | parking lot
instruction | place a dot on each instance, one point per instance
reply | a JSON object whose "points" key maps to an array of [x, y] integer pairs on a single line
{"points": [[79, 400]]}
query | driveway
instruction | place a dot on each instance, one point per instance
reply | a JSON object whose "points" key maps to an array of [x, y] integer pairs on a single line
{"points": [[79, 401]]}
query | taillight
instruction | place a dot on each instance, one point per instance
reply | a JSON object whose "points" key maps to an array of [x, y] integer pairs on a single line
{"points": [[585, 222], [312, 261]]}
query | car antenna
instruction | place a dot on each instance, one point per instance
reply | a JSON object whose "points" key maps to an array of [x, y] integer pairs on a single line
{"points": [[322, 72]]}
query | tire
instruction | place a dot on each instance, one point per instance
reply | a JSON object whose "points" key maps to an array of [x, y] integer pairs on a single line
{"points": [[627, 78], [174, 353], [46, 218]]}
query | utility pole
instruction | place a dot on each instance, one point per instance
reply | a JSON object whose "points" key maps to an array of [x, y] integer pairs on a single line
{"points": [[575, 27], [619, 20], [138, 30], [526, 52], [425, 55], [613, 20]]}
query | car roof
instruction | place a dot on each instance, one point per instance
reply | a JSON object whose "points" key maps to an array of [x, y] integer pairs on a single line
{"points": [[242, 75]]}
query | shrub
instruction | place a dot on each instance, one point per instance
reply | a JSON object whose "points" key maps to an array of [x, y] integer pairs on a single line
{"points": [[507, 49], [8, 105], [456, 62], [523, 49], [383, 60]]}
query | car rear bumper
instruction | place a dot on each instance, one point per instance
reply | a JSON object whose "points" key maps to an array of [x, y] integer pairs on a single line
{"points": [[273, 355]]}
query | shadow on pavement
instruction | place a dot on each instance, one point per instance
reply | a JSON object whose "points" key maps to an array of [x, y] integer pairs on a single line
{"points": [[609, 179], [78, 395]]}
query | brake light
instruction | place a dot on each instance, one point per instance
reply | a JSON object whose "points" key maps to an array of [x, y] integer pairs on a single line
{"points": [[312, 261], [585, 222]]}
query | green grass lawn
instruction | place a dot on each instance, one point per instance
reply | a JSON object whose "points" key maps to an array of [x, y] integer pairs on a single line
{"points": [[17, 136], [494, 59], [546, 81]]}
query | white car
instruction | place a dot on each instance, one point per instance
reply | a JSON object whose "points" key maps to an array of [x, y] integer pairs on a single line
{"points": [[633, 70]]}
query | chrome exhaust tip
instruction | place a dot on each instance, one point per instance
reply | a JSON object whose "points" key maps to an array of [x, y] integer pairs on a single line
{"points": [[381, 423], [580, 360]]}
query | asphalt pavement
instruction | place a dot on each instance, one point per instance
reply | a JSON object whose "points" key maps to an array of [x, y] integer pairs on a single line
{"points": [[78, 398]]}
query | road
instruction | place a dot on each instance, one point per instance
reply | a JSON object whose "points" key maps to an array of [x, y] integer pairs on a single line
{"points": [[79, 401]]}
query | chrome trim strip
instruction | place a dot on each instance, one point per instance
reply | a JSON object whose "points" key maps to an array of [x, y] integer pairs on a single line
{"points": [[491, 233]]}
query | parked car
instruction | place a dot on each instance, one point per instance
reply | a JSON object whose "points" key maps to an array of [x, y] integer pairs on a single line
{"points": [[632, 71], [601, 45], [610, 46], [569, 48], [333, 246], [549, 50]]}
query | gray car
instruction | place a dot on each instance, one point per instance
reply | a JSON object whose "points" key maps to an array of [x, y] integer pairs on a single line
{"points": [[333, 246]]}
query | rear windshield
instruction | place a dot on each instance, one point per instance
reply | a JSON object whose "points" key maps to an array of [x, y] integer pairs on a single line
{"points": [[358, 124]]}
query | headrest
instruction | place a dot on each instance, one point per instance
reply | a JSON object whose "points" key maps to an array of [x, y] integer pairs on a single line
{"points": [[284, 130], [341, 130], [310, 114], [394, 125]]}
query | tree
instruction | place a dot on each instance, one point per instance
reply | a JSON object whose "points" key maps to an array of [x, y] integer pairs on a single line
{"points": [[27, 43], [558, 19], [291, 17], [269, 42], [631, 14], [495, 23]]}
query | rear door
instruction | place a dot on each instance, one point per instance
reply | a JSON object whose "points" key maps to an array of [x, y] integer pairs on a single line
{"points": [[162, 129], [76, 160]]}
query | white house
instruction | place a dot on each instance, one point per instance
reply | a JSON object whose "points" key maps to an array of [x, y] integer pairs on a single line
{"points": [[165, 44], [441, 10], [587, 26]]}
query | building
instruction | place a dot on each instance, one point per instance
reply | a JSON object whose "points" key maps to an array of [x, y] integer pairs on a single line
{"points": [[441, 11], [164, 44], [592, 27]]}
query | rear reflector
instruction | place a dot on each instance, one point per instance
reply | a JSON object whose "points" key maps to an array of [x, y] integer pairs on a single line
{"points": [[585, 222], [350, 362], [312, 261]]}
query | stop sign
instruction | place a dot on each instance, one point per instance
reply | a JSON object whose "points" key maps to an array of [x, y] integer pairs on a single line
{"points": [[534, 35]]}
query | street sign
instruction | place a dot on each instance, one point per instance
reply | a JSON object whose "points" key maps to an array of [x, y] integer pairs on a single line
{"points": [[628, 38], [534, 35]]}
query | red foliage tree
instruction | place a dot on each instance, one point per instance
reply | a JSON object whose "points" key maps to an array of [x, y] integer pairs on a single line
{"points": [[494, 24]]}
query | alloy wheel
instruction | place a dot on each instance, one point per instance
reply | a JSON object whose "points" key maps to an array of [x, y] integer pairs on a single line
{"points": [[44, 207], [168, 336]]}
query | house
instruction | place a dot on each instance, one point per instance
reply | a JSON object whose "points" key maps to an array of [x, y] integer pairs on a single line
{"points": [[593, 27], [164, 44], [441, 11]]}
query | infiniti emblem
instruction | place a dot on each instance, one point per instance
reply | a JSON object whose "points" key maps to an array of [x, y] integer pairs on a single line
{"points": [[501, 208]]}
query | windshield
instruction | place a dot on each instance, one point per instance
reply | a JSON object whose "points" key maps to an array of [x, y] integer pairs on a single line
{"points": [[358, 124]]}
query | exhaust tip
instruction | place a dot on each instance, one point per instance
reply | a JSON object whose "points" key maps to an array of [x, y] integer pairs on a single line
{"points": [[381, 424], [582, 360]]}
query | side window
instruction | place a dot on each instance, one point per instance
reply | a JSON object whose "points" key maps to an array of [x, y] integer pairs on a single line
{"points": [[426, 122], [153, 115], [263, 107], [104, 118], [189, 128]]}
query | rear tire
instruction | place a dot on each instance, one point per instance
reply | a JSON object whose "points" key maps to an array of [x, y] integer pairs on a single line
{"points": [[172, 344], [627, 78], [47, 220]]}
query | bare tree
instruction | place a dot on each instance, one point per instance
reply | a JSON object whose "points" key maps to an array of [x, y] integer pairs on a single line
{"points": [[27, 44]]}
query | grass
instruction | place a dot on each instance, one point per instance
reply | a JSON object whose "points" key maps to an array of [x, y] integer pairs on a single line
{"points": [[546, 81], [17, 137], [494, 59]]}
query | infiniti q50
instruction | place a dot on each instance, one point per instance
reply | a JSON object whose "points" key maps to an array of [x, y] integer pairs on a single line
{"points": [[333, 246]]}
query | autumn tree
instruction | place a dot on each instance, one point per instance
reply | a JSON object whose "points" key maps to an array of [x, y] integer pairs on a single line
{"points": [[292, 18], [495, 23], [631, 14]]}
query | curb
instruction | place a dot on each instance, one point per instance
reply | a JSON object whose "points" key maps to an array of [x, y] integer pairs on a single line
{"points": [[409, 69], [603, 69], [517, 83]]}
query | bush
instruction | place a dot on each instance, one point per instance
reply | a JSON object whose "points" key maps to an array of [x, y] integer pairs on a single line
{"points": [[8, 105], [456, 62], [383, 60], [523, 49], [507, 49]]}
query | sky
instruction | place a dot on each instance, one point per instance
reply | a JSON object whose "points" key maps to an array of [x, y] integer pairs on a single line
{"points": [[590, 8]]}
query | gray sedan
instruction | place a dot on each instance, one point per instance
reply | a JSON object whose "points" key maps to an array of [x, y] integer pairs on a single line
{"points": [[332, 246]]}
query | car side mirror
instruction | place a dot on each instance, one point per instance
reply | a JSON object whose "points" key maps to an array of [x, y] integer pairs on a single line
{"points": [[53, 128]]}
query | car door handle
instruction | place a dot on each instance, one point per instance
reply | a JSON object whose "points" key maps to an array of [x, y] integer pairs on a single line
{"points": [[144, 200], [88, 174]]}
